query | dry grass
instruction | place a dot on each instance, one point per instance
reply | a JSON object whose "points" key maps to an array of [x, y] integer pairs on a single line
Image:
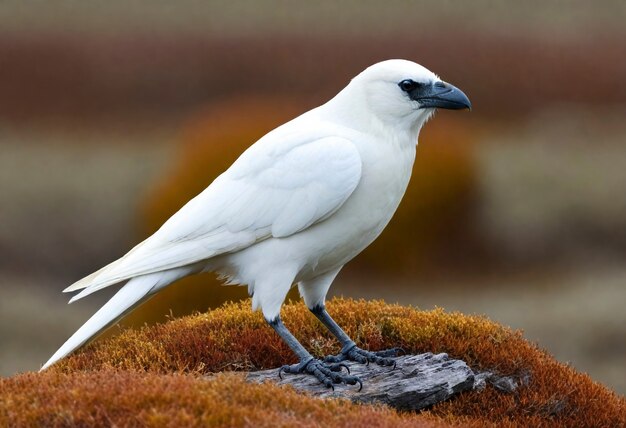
{"points": [[156, 361], [120, 398]]}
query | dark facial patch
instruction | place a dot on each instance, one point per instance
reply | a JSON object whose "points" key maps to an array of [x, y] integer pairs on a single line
{"points": [[409, 85]]}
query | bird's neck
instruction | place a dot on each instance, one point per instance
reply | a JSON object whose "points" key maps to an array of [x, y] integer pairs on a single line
{"points": [[350, 108]]}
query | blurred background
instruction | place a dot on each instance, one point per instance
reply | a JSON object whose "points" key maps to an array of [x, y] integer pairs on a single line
{"points": [[114, 114]]}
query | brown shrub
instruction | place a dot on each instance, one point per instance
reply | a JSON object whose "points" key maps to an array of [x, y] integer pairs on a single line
{"points": [[431, 225], [234, 338]]}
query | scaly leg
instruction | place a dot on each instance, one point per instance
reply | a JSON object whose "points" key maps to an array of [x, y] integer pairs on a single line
{"points": [[349, 350], [327, 373]]}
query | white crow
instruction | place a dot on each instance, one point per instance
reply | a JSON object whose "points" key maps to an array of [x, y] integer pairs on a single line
{"points": [[294, 208]]}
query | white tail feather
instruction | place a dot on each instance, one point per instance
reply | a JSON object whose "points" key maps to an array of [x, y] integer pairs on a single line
{"points": [[136, 291], [86, 281], [89, 279]]}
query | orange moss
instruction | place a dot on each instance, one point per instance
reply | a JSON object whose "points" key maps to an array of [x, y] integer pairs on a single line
{"points": [[234, 338], [118, 398], [431, 225]]}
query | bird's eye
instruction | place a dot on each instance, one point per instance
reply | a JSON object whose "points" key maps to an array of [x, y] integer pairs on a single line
{"points": [[408, 85]]}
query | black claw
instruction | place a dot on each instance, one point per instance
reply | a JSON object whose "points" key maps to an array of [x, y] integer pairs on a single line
{"points": [[331, 359], [336, 367], [327, 374], [399, 349], [280, 372], [389, 352], [360, 384], [366, 357]]}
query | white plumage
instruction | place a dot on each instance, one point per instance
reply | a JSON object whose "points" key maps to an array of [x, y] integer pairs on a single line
{"points": [[294, 208]]}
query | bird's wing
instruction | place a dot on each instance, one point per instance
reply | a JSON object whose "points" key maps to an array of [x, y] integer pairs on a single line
{"points": [[275, 189]]}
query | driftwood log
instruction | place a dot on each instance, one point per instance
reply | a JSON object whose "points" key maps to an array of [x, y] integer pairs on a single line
{"points": [[417, 382]]}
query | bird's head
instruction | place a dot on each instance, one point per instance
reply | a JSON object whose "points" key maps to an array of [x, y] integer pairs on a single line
{"points": [[403, 92]]}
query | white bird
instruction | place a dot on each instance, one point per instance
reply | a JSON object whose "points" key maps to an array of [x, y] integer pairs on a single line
{"points": [[294, 208]]}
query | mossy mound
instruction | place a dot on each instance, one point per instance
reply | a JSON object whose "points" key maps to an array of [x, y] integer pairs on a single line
{"points": [[122, 398], [153, 375]]}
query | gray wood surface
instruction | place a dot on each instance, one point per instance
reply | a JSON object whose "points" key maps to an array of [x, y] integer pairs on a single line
{"points": [[417, 382]]}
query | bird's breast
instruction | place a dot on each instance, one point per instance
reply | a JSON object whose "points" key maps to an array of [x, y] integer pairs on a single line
{"points": [[386, 172], [331, 243], [385, 176]]}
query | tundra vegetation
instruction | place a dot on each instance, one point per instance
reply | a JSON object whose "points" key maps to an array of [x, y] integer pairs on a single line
{"points": [[188, 372]]}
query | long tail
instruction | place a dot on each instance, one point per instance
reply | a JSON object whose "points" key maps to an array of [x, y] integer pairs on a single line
{"points": [[135, 292]]}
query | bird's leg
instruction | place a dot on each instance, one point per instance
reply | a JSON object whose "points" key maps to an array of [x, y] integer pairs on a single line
{"points": [[326, 372], [349, 350]]}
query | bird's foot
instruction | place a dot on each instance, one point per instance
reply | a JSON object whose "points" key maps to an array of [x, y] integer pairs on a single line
{"points": [[354, 353], [326, 373]]}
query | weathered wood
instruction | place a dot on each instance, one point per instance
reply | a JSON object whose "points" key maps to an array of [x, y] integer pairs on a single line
{"points": [[417, 382]]}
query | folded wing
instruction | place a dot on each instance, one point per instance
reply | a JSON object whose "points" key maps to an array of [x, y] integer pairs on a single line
{"points": [[277, 188]]}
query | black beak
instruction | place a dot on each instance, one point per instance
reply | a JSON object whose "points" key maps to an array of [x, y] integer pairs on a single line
{"points": [[440, 95]]}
